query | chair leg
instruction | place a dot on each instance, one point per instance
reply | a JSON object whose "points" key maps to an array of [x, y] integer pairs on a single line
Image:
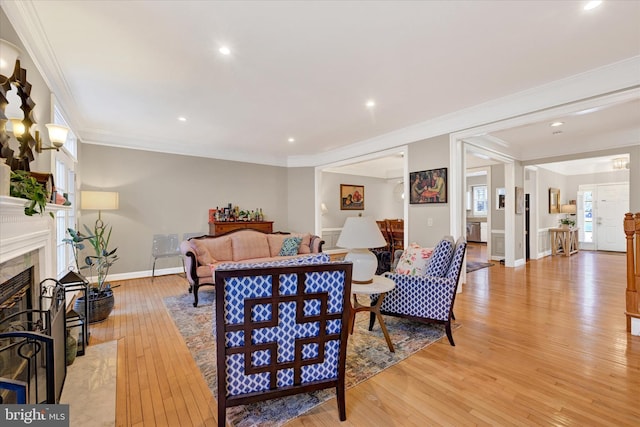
{"points": [[453, 316], [153, 270], [222, 415], [184, 269], [342, 407], [372, 320], [195, 295], [447, 327]]}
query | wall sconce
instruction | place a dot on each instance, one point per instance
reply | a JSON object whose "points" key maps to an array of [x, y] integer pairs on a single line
{"points": [[8, 55], [323, 208], [620, 163], [57, 134]]}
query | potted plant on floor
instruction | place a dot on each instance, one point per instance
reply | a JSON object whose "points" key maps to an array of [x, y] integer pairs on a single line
{"points": [[100, 296]]}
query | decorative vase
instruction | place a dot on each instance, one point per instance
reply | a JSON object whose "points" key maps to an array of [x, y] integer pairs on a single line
{"points": [[71, 348], [100, 306]]}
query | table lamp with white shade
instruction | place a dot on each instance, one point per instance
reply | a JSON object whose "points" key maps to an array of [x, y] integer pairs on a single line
{"points": [[358, 235]]}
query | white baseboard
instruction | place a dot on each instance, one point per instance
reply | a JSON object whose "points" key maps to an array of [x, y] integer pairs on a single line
{"points": [[140, 274]]}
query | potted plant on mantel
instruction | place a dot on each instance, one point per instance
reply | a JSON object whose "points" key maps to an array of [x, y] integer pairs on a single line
{"points": [[100, 295]]}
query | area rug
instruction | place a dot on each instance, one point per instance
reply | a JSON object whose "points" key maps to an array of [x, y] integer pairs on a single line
{"points": [[367, 355], [473, 266]]}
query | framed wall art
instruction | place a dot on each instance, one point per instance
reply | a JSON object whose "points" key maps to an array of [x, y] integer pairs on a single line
{"points": [[429, 186], [351, 197], [554, 200]]}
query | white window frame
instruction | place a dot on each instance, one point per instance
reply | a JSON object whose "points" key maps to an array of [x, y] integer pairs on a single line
{"points": [[475, 189], [64, 165]]}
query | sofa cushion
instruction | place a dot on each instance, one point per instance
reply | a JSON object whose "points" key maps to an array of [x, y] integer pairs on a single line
{"points": [[276, 240], [414, 260], [305, 244], [249, 244], [212, 250], [290, 246], [441, 258]]}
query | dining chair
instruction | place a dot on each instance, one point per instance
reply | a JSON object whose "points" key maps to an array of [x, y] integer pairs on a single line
{"points": [[165, 246]]}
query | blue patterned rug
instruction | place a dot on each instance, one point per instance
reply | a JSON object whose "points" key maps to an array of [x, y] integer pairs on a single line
{"points": [[367, 355]]}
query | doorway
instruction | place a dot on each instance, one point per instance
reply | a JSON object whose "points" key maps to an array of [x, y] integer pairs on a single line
{"points": [[600, 209]]}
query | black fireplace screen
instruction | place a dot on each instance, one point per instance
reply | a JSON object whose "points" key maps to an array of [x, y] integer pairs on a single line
{"points": [[32, 341]]}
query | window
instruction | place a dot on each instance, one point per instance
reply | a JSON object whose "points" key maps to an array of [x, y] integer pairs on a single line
{"points": [[479, 200], [65, 180]]}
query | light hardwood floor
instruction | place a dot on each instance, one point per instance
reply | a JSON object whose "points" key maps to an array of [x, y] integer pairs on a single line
{"points": [[542, 344]]}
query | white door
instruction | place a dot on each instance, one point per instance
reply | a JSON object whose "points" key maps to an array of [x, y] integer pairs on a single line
{"points": [[611, 203]]}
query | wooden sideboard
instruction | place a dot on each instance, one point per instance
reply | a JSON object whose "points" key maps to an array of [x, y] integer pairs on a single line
{"points": [[217, 228]]}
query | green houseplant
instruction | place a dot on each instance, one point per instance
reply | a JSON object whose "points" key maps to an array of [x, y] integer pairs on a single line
{"points": [[25, 186], [100, 295], [567, 222]]}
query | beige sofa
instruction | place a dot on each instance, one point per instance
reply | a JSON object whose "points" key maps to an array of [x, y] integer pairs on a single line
{"points": [[203, 254]]}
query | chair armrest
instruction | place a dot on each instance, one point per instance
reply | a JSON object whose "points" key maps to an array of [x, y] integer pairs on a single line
{"points": [[190, 262]]}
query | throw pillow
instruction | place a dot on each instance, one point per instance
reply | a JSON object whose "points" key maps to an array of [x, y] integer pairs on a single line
{"points": [[290, 246], [414, 260]]}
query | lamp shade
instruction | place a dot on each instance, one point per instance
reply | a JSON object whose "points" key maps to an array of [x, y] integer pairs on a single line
{"points": [[8, 55], [568, 209], [57, 134], [358, 234], [99, 200]]}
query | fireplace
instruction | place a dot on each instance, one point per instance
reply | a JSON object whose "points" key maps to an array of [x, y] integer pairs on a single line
{"points": [[27, 250]]}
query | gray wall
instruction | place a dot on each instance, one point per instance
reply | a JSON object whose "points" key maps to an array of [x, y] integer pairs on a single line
{"points": [[168, 193], [300, 201], [379, 200], [548, 179], [432, 153]]}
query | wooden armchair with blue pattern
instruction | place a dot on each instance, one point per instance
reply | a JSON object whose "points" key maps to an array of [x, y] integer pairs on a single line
{"points": [[429, 297], [281, 330]]}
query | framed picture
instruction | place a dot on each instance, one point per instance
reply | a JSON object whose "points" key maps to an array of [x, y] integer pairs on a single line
{"points": [[519, 200], [351, 197], [501, 195], [554, 200], [428, 186]]}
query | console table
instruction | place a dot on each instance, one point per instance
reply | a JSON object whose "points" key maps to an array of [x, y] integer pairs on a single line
{"points": [[564, 240], [217, 228]]}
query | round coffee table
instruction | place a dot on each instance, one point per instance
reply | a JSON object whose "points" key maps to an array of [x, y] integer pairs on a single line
{"points": [[380, 285]]}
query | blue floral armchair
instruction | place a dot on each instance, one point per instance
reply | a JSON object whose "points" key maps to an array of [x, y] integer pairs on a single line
{"points": [[281, 328], [427, 298]]}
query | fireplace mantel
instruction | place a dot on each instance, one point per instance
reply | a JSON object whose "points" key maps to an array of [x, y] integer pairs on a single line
{"points": [[21, 234]]}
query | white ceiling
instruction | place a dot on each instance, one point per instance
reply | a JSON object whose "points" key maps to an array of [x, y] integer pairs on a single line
{"points": [[125, 71]]}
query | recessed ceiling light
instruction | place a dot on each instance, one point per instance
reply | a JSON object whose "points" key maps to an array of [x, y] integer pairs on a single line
{"points": [[291, 140], [556, 124], [225, 50], [182, 119], [592, 4], [370, 103]]}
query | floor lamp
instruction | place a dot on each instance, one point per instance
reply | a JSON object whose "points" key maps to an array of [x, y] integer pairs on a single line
{"points": [[100, 201]]}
